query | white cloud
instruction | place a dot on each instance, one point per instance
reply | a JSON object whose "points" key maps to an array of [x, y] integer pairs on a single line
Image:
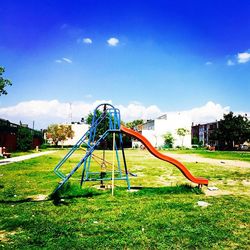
{"points": [[138, 111], [67, 60], [230, 62], [87, 40], [243, 57], [243, 113], [208, 63], [45, 112], [240, 58], [208, 113], [64, 59], [112, 41]]}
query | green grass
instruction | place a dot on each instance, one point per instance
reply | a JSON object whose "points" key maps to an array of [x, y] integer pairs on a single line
{"points": [[229, 155], [163, 214]]}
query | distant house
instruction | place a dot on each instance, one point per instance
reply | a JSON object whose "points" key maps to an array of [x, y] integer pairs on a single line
{"points": [[135, 142], [79, 130], [202, 133], [8, 135], [154, 130]]}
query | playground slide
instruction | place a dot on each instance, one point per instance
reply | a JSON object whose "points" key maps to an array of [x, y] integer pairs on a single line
{"points": [[156, 153]]}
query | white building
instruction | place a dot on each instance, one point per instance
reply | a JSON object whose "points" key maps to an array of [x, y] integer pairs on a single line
{"points": [[154, 130], [79, 130]]}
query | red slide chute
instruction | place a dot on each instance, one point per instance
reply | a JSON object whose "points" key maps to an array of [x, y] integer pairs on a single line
{"points": [[156, 153]]}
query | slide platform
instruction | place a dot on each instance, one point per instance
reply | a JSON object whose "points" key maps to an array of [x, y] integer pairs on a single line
{"points": [[156, 153]]}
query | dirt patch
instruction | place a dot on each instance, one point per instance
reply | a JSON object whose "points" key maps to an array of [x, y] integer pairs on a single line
{"points": [[39, 197], [4, 235], [163, 181], [167, 180], [217, 192], [231, 182], [133, 190], [246, 183], [137, 167]]}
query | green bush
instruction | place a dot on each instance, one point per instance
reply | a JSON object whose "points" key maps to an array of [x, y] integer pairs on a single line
{"points": [[168, 140], [44, 146], [24, 139]]}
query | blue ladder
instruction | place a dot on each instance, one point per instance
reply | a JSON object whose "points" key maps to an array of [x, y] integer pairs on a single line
{"points": [[113, 116]]}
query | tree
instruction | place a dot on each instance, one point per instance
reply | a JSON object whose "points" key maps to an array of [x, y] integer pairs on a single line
{"points": [[108, 142], [102, 127], [127, 140], [59, 133], [24, 139], [182, 132], [3, 82], [134, 123], [168, 140], [231, 130], [195, 140]]}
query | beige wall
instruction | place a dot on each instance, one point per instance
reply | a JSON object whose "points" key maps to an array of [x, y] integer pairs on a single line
{"points": [[79, 131]]}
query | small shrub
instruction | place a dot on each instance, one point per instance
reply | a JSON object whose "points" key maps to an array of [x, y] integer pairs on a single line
{"points": [[24, 139], [44, 146], [168, 140]]}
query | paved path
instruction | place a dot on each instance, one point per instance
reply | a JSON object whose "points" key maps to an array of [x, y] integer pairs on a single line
{"points": [[23, 157], [197, 158]]}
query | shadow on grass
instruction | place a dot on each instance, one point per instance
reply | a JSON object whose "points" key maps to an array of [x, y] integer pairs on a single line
{"points": [[4, 162], [60, 197], [19, 201], [69, 191], [180, 189]]}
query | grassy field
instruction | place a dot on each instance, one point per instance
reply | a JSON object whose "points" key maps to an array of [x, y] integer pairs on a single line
{"points": [[162, 214]]}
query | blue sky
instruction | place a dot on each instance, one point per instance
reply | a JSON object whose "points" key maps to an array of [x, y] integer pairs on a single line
{"points": [[175, 55]]}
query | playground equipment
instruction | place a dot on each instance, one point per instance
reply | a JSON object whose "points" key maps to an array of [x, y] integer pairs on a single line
{"points": [[156, 153], [106, 118]]}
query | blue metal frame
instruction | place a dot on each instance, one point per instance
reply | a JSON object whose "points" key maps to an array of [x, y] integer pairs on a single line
{"points": [[113, 115]]}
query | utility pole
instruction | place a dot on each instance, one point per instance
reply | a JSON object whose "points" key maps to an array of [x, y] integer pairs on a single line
{"points": [[70, 112]]}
